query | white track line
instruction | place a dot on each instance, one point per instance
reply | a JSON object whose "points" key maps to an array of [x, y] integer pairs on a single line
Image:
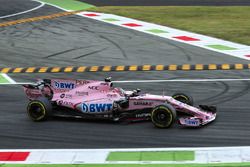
{"points": [[27, 11], [18, 83], [182, 80], [9, 79]]}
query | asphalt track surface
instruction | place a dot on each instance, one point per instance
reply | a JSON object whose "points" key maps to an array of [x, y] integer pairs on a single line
{"points": [[168, 2], [75, 40]]}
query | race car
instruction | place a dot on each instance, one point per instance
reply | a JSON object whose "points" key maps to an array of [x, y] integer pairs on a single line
{"points": [[92, 99]]}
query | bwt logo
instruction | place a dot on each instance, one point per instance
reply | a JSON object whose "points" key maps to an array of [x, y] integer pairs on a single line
{"points": [[95, 108], [191, 122], [64, 85]]}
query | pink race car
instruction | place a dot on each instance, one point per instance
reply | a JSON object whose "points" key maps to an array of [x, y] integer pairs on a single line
{"points": [[100, 100]]}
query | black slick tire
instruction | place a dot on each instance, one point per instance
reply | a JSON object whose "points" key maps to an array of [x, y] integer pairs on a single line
{"points": [[39, 109], [184, 98], [163, 116]]}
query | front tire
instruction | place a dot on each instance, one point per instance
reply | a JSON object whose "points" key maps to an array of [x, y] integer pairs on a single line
{"points": [[163, 116], [184, 98], [39, 109]]}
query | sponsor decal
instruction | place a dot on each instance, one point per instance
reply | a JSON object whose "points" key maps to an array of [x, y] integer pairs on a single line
{"points": [[80, 93], [64, 85], [143, 103], [104, 91], [82, 82], [62, 95], [66, 96], [107, 116], [65, 103], [143, 115], [104, 84], [192, 122], [33, 93], [96, 108], [94, 87], [60, 102], [112, 95]]}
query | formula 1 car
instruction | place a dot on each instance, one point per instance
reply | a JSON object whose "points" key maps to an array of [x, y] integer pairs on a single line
{"points": [[100, 100]]}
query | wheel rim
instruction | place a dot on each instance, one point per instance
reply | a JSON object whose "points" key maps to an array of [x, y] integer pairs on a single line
{"points": [[36, 111], [162, 117]]}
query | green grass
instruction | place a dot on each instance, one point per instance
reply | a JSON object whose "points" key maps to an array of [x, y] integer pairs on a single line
{"points": [[221, 47], [151, 156], [229, 23], [3, 80], [129, 165], [69, 4]]}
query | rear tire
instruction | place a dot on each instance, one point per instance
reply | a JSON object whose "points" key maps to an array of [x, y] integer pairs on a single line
{"points": [[184, 98], [39, 109], [163, 116]]}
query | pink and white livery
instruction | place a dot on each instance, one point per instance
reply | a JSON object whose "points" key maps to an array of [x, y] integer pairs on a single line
{"points": [[100, 100]]}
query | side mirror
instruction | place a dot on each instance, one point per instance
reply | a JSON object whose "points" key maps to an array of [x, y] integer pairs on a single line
{"points": [[138, 90], [108, 79]]}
